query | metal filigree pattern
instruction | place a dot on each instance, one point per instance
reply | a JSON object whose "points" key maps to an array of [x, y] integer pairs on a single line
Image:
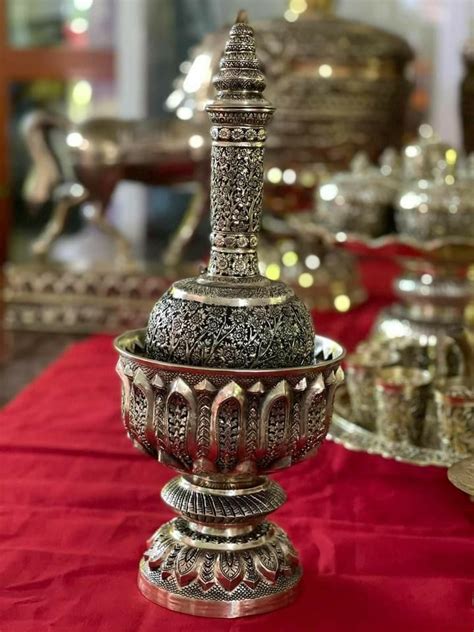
{"points": [[239, 134], [218, 423], [227, 417], [80, 301], [227, 383], [237, 155], [176, 562], [231, 316], [411, 395], [359, 200], [236, 207], [454, 399], [321, 118], [354, 437], [177, 418], [198, 505], [401, 396], [230, 336], [433, 209]]}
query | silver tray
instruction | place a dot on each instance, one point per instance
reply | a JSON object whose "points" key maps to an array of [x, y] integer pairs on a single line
{"points": [[354, 437]]}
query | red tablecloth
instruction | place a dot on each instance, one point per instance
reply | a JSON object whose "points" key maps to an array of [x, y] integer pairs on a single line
{"points": [[385, 546]]}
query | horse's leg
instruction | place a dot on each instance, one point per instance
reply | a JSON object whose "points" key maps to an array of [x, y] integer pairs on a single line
{"points": [[124, 255], [48, 168], [194, 213], [55, 226]]}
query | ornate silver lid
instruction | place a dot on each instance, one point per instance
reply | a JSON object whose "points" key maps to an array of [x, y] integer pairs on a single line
{"points": [[359, 200], [437, 197], [231, 316]]}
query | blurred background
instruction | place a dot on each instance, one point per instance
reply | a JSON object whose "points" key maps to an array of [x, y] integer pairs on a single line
{"points": [[121, 58], [368, 198]]}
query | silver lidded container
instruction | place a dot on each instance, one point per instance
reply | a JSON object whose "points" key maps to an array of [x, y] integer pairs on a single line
{"points": [[231, 316], [360, 200]]}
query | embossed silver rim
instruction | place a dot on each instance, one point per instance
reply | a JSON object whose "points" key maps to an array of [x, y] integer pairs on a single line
{"points": [[230, 302], [135, 337], [432, 249]]}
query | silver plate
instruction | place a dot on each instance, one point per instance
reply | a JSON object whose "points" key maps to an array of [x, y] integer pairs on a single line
{"points": [[354, 437]]}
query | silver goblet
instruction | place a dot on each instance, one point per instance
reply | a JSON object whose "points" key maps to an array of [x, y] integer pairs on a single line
{"points": [[224, 430]]}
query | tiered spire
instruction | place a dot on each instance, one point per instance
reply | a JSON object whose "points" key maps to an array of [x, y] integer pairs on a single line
{"points": [[239, 115]]}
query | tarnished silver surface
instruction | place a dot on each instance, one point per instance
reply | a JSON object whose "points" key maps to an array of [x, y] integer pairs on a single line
{"points": [[99, 152], [353, 437], [428, 184], [204, 420], [341, 87], [98, 285], [401, 398], [268, 566], [436, 208], [227, 384], [421, 409], [361, 370], [195, 332], [454, 399], [232, 316], [223, 430], [432, 209], [58, 298]]}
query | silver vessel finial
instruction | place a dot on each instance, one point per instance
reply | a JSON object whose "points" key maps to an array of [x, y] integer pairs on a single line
{"points": [[231, 316], [239, 114]]}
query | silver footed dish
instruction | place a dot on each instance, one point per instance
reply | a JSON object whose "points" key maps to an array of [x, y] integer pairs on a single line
{"points": [[223, 431], [461, 475]]}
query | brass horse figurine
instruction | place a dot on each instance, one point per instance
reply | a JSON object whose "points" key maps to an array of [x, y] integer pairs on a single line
{"points": [[99, 154]]}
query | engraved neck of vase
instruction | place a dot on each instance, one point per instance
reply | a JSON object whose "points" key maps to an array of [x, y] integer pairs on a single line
{"points": [[238, 116]]}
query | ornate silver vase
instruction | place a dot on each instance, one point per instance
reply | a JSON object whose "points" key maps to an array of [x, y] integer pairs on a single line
{"points": [[227, 384]]}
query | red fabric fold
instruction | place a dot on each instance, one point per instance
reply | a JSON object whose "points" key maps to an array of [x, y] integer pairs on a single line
{"points": [[385, 546]]}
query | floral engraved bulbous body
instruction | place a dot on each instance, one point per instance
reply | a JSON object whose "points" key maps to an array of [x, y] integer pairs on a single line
{"points": [[232, 316]]}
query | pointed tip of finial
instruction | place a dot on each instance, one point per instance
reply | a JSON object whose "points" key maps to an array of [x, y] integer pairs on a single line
{"points": [[240, 76], [242, 17]]}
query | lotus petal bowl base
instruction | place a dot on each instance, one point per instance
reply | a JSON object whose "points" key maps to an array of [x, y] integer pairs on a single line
{"points": [[229, 563], [224, 430]]}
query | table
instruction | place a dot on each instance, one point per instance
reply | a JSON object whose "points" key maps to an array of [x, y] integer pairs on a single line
{"points": [[385, 546], [24, 354]]}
